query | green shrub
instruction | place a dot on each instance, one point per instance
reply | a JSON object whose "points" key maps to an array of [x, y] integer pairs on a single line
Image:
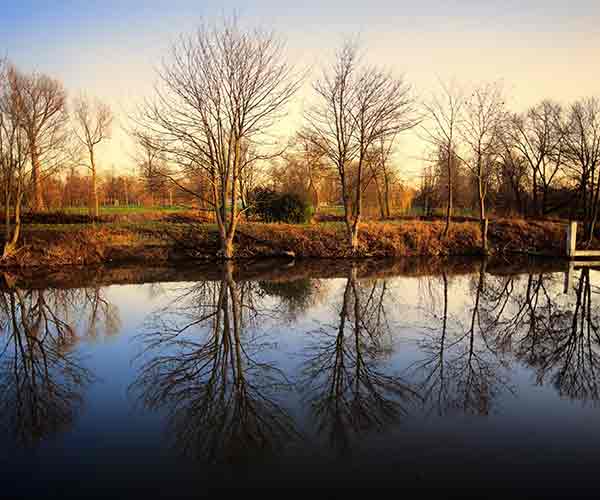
{"points": [[271, 206]]}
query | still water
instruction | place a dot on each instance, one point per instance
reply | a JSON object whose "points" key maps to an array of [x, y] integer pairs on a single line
{"points": [[462, 374]]}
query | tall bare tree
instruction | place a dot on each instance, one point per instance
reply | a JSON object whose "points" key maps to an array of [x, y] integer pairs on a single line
{"points": [[43, 106], [15, 167], [481, 129], [93, 120], [444, 117], [358, 105], [151, 165], [223, 88], [383, 172], [582, 148], [537, 137]]}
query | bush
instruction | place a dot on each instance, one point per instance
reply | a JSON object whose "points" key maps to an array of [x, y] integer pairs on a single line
{"points": [[271, 206]]}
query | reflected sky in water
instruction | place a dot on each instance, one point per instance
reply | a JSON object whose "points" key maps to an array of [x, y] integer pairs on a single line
{"points": [[463, 375]]}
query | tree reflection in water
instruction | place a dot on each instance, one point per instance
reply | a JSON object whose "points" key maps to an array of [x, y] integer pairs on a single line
{"points": [[344, 376], [558, 338], [529, 320], [462, 370], [41, 379], [204, 369]]}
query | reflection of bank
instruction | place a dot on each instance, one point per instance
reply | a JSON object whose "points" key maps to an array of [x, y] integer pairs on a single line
{"points": [[41, 380], [344, 377], [205, 371]]}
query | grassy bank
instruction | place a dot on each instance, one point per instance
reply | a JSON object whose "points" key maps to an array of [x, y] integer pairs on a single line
{"points": [[171, 239]]}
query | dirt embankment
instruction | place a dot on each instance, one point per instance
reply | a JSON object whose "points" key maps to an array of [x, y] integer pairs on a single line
{"points": [[55, 247]]}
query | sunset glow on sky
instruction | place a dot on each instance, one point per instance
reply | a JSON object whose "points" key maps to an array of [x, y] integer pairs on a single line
{"points": [[109, 49]]}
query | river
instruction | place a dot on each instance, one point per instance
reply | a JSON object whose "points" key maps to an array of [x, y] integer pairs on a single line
{"points": [[172, 381]]}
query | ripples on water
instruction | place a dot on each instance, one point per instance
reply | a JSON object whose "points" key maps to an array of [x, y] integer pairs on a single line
{"points": [[468, 374]]}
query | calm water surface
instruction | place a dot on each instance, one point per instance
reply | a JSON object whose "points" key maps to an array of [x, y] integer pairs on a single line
{"points": [[464, 375]]}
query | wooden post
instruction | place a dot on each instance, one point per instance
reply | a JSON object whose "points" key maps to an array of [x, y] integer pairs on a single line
{"points": [[484, 232], [571, 239]]}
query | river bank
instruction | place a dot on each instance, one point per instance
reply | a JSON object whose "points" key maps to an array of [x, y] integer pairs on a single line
{"points": [[57, 246]]}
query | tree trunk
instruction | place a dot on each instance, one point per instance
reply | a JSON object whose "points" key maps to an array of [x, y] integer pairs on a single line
{"points": [[96, 211], [380, 200], [386, 185], [10, 245], [481, 199], [227, 248], [594, 215], [449, 203], [38, 199], [544, 198], [354, 235], [7, 200]]}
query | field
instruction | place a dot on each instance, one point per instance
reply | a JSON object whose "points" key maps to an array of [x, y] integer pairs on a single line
{"points": [[124, 210]]}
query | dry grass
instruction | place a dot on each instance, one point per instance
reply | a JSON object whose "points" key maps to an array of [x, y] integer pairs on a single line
{"points": [[519, 235], [375, 239], [84, 246], [55, 246]]}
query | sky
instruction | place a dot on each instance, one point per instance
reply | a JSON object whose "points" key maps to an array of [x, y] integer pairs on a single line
{"points": [[110, 49]]}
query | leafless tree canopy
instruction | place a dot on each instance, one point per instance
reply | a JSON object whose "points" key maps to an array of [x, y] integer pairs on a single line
{"points": [[43, 108], [357, 107], [93, 120], [15, 171], [220, 92], [444, 115]]}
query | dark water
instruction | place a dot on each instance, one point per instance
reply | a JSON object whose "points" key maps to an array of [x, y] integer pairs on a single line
{"points": [[464, 375]]}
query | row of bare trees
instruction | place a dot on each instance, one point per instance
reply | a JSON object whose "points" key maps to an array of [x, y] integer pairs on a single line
{"points": [[544, 160], [38, 137], [225, 87]]}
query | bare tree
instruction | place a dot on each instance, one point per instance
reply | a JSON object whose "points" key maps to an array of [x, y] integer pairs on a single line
{"points": [[358, 105], [537, 137], [344, 378], [151, 165], [220, 397], [481, 128], [582, 148], [15, 168], [42, 102], [383, 172], [224, 87], [512, 172], [93, 121], [444, 117]]}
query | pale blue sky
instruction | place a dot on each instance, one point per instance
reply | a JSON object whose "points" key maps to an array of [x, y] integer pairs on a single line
{"points": [[108, 48]]}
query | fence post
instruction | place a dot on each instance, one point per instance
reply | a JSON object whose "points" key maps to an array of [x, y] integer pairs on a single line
{"points": [[571, 239]]}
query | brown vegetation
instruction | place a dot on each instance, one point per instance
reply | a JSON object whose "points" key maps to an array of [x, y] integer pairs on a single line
{"points": [[163, 240]]}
